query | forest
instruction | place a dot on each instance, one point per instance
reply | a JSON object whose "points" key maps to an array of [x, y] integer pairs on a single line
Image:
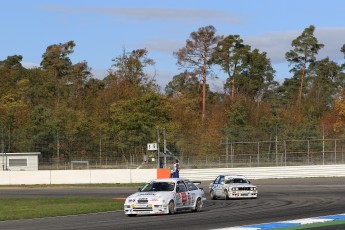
{"points": [[62, 111]]}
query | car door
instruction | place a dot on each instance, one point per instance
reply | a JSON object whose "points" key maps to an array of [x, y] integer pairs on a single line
{"points": [[220, 186], [182, 195], [193, 191], [215, 184]]}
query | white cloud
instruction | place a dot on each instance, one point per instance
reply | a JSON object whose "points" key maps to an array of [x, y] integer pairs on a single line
{"points": [[163, 45], [99, 73], [276, 44], [30, 65], [158, 13]]}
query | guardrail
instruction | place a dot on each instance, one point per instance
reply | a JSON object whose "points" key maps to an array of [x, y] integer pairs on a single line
{"points": [[97, 176]]}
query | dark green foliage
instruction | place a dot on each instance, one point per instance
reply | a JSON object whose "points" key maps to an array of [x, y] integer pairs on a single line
{"points": [[59, 109]]}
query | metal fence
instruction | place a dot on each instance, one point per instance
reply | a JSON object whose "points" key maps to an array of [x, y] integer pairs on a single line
{"points": [[231, 154]]}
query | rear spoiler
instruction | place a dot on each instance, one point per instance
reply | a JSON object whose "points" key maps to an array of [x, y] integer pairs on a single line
{"points": [[196, 182]]}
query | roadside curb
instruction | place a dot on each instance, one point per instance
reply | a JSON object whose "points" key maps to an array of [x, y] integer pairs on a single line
{"points": [[289, 223]]}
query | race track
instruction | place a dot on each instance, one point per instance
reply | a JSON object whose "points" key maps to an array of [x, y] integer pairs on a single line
{"points": [[279, 199]]}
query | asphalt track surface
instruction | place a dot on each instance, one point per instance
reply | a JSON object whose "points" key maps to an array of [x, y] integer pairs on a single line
{"points": [[279, 199]]}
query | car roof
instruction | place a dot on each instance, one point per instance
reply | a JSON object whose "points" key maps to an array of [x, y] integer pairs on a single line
{"points": [[167, 180], [233, 175]]}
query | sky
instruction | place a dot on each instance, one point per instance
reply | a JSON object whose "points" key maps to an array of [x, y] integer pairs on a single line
{"points": [[103, 29]]}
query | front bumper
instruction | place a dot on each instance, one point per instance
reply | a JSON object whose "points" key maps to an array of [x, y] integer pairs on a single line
{"points": [[243, 194], [143, 209]]}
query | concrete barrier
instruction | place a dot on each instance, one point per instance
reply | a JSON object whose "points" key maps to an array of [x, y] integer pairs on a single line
{"points": [[97, 176], [268, 172]]}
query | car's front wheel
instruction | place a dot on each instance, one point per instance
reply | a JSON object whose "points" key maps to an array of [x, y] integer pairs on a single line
{"points": [[212, 195], [171, 207], [198, 205], [226, 195]]}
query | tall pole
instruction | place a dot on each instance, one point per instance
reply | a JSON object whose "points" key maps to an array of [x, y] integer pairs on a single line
{"points": [[158, 140], [165, 148], [276, 150], [323, 145], [335, 151], [227, 152], [308, 151], [258, 154], [100, 147], [3, 150], [232, 155], [57, 149]]}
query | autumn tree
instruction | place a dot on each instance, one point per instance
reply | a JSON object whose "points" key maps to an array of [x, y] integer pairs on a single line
{"points": [[230, 54], [130, 67], [56, 61], [305, 49], [186, 83], [196, 54], [323, 85], [257, 75], [13, 104]]}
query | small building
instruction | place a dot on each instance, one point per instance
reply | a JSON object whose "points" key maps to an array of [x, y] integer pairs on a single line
{"points": [[19, 161]]}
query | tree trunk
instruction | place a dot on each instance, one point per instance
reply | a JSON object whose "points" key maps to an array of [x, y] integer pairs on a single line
{"points": [[233, 88], [301, 85], [204, 92]]}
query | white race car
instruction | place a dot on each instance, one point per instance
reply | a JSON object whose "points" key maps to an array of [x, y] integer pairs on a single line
{"points": [[229, 186], [163, 196]]}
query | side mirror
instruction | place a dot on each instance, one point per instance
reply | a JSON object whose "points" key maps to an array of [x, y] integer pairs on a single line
{"points": [[139, 189], [222, 182]]}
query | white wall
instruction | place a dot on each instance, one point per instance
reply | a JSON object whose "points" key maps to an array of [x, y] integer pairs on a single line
{"points": [[96, 176], [268, 172]]}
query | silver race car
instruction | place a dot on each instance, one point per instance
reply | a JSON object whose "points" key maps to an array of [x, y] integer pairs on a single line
{"points": [[165, 196], [229, 186]]}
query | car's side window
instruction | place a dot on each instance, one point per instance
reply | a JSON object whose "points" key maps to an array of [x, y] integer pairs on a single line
{"points": [[181, 187], [221, 179], [191, 186], [216, 181]]}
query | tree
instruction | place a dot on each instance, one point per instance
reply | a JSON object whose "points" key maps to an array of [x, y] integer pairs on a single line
{"points": [[306, 47], [134, 120], [323, 85], [230, 54], [131, 66], [195, 56], [56, 61], [185, 83], [12, 62], [256, 76]]}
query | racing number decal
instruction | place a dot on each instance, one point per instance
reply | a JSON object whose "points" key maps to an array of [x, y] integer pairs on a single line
{"points": [[184, 197]]}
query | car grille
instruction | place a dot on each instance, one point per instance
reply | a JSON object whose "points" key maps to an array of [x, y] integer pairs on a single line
{"points": [[142, 209], [142, 201], [244, 188]]}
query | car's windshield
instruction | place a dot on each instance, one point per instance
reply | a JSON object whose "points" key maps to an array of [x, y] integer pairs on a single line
{"points": [[158, 186], [235, 180]]}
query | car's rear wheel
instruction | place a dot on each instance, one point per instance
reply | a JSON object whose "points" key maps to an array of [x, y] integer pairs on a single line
{"points": [[198, 205], [171, 207], [212, 195]]}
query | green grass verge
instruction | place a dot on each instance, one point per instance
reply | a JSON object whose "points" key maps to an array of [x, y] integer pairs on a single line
{"points": [[27, 208], [308, 226], [73, 185]]}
